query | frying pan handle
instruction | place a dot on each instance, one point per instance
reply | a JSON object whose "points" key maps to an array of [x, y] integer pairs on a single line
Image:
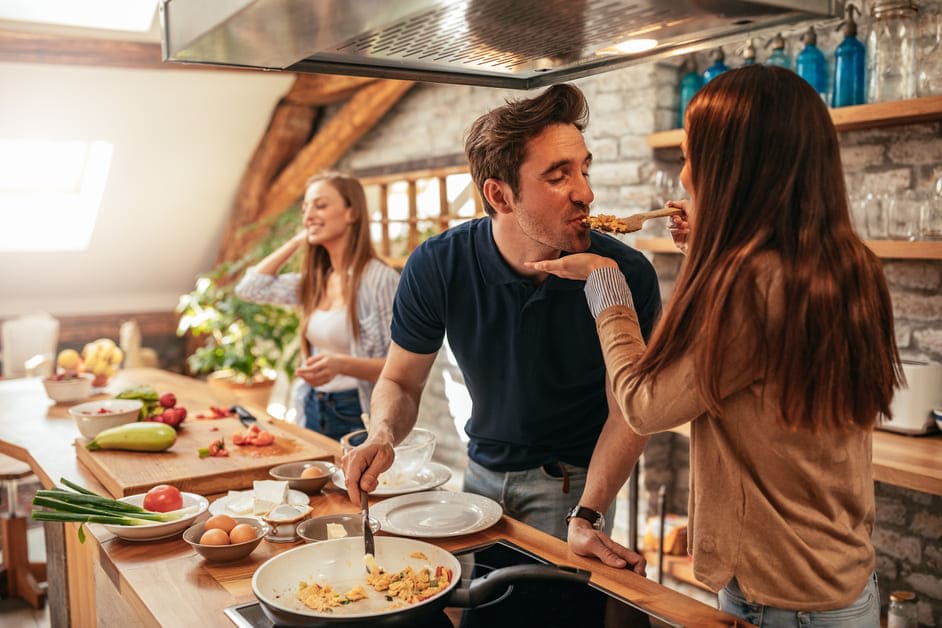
{"points": [[489, 586]]}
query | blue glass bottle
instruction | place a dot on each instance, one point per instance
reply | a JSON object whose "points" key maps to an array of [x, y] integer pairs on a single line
{"points": [[850, 61], [718, 57], [811, 65], [778, 57], [748, 53], [690, 83]]}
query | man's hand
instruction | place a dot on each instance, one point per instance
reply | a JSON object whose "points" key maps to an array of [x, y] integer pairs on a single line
{"points": [[585, 540], [362, 466]]}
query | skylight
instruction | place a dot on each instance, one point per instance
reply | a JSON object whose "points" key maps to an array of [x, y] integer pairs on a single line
{"points": [[50, 193], [122, 15]]}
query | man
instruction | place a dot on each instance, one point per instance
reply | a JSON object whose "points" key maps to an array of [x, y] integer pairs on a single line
{"points": [[525, 341]]}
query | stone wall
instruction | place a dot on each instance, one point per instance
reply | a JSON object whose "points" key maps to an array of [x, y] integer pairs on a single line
{"points": [[628, 104]]}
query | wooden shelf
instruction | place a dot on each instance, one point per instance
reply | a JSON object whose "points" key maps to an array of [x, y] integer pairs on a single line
{"points": [[887, 249], [848, 118]]}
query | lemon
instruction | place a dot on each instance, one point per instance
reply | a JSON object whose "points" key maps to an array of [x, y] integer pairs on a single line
{"points": [[68, 359]]}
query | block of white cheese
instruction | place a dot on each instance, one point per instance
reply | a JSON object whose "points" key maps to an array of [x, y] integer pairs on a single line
{"points": [[335, 531], [268, 494], [239, 502]]}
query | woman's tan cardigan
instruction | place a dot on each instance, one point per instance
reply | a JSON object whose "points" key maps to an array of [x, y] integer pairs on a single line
{"points": [[788, 513]]}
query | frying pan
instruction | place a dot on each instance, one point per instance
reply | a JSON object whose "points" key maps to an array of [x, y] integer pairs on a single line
{"points": [[339, 562]]}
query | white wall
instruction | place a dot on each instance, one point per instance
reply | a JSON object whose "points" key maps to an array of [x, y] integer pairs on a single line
{"points": [[182, 139]]}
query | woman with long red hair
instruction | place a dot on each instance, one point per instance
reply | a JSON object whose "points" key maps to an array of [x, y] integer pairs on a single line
{"points": [[777, 347]]}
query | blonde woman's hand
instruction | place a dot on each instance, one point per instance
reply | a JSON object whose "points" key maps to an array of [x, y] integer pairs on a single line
{"points": [[576, 266], [679, 226], [321, 368]]}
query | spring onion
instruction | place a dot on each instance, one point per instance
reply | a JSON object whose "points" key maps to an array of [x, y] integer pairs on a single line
{"points": [[81, 505]]}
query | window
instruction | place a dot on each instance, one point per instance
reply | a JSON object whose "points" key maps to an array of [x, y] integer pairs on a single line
{"points": [[407, 208], [50, 193]]}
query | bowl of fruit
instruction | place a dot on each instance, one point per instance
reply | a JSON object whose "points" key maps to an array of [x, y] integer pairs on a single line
{"points": [[101, 358], [68, 383], [93, 417], [63, 388]]}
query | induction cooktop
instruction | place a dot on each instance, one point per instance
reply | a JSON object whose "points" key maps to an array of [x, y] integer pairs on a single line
{"points": [[544, 604]]}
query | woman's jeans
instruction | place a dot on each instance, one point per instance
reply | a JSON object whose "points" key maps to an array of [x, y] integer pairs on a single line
{"points": [[333, 414], [863, 613]]}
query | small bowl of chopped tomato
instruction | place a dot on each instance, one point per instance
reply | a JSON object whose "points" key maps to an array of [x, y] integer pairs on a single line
{"points": [[64, 388], [92, 417]]}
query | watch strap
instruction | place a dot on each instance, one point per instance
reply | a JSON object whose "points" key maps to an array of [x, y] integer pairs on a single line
{"points": [[594, 517]]}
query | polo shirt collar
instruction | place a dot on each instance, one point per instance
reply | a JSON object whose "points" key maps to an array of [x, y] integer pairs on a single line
{"points": [[497, 272]]}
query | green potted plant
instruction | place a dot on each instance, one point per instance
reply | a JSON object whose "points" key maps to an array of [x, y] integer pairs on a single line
{"points": [[241, 342]]}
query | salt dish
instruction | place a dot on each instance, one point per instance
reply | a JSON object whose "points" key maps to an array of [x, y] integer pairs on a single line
{"points": [[284, 520]]}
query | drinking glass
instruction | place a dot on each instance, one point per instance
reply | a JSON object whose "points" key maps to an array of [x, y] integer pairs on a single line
{"points": [[930, 219], [874, 209], [928, 62], [903, 214], [665, 189]]}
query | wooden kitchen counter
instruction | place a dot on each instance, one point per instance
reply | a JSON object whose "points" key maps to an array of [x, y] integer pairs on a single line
{"points": [[166, 583]]}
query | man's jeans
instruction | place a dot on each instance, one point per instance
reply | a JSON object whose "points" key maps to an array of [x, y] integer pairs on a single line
{"points": [[534, 496]]}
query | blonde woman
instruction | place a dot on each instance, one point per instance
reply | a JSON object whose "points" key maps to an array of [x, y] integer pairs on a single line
{"points": [[345, 293]]}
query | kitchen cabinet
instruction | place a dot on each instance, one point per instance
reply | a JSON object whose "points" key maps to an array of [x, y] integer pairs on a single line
{"points": [[870, 116]]}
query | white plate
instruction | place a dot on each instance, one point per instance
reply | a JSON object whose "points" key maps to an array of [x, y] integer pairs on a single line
{"points": [[430, 476], [221, 505], [436, 514], [154, 531]]}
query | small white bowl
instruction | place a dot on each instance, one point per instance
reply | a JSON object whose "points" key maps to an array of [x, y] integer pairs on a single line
{"points": [[154, 531], [71, 389], [92, 417], [284, 520]]}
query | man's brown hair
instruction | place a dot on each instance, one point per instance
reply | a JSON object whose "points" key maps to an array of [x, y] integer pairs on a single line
{"points": [[496, 143]]}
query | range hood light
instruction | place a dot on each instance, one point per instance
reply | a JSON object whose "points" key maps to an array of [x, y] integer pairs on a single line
{"points": [[629, 47]]}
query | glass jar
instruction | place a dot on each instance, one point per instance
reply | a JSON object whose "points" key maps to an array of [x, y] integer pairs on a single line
{"points": [[891, 51], [902, 612]]}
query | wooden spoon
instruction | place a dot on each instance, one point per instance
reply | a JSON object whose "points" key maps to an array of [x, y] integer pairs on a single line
{"points": [[612, 224]]}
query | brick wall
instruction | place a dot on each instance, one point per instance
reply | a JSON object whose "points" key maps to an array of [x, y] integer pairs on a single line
{"points": [[628, 104]]}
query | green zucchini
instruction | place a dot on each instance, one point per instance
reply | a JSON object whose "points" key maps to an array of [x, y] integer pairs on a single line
{"points": [[142, 436]]}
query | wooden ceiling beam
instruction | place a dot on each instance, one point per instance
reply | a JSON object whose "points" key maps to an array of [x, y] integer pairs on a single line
{"points": [[288, 132], [357, 116], [315, 90]]}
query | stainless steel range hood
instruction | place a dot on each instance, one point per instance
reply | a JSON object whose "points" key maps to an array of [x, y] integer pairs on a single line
{"points": [[500, 43]]}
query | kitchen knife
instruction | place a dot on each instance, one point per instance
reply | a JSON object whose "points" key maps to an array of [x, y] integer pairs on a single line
{"points": [[368, 545], [248, 419]]}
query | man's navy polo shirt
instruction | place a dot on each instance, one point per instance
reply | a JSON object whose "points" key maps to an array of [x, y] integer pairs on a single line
{"points": [[529, 353]]}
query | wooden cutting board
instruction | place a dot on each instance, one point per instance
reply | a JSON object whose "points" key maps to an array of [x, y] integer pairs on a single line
{"points": [[131, 472]]}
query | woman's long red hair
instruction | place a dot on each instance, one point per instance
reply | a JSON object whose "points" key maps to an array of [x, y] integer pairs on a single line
{"points": [[766, 172]]}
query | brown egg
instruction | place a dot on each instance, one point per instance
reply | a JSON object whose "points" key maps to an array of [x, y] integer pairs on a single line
{"points": [[214, 537], [220, 522], [313, 472], [242, 533]]}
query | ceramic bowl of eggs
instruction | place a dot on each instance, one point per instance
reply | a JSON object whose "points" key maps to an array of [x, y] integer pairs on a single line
{"points": [[223, 539], [307, 476]]}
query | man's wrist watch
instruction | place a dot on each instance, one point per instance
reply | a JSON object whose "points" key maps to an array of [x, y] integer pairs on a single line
{"points": [[594, 517]]}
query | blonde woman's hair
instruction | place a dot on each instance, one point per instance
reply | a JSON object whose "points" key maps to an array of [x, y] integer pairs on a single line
{"points": [[316, 266]]}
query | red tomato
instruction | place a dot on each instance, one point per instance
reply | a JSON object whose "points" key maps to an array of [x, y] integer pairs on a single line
{"points": [[163, 498]]}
